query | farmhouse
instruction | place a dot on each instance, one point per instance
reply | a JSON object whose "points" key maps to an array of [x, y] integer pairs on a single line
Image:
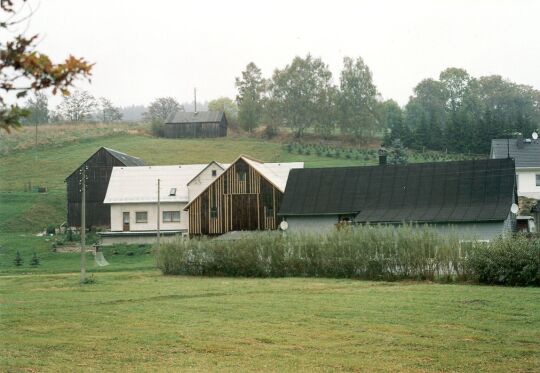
{"points": [[133, 199], [246, 196], [196, 124], [472, 198], [526, 154], [98, 172]]}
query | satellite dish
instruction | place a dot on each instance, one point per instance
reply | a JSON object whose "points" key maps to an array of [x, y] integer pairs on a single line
{"points": [[514, 208], [283, 225], [535, 135]]}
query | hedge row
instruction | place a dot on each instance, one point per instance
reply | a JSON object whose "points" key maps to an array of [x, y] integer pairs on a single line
{"points": [[371, 253]]}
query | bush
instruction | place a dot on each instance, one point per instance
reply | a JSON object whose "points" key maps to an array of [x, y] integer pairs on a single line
{"points": [[51, 229], [372, 253], [35, 260], [507, 262], [18, 261]]}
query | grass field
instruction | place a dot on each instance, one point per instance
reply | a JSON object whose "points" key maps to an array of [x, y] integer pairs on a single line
{"points": [[143, 321]]}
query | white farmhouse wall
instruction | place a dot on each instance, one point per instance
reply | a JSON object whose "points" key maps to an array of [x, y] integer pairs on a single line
{"points": [[526, 180], [198, 184], [117, 211]]}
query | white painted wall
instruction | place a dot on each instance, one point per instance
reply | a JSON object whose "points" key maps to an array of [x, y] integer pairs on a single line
{"points": [[526, 180], [117, 211], [198, 184]]}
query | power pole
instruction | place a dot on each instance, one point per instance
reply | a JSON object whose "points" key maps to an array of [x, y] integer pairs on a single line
{"points": [[83, 226], [158, 212], [35, 147]]}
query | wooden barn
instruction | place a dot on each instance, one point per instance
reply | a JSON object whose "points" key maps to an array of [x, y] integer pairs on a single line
{"points": [[98, 172], [196, 124], [246, 196]]}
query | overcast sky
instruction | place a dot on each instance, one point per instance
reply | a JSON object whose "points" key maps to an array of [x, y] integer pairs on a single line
{"points": [[148, 49]]}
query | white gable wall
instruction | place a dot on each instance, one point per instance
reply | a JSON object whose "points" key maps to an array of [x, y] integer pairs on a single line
{"points": [[117, 211], [205, 178], [526, 183]]}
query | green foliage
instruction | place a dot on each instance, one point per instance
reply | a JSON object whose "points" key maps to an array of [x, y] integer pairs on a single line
{"points": [[251, 88], [35, 260], [228, 106], [38, 111], [77, 107], [398, 153], [109, 112], [18, 261], [159, 111], [512, 262], [357, 100], [374, 253]]}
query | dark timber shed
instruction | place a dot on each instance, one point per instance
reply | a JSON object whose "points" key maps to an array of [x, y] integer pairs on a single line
{"points": [[196, 124], [98, 172]]}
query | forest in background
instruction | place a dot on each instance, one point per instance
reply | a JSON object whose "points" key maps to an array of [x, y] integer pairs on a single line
{"points": [[457, 112]]}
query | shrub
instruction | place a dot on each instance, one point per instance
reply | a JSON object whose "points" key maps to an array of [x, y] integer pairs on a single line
{"points": [[374, 253], [507, 262], [51, 229], [35, 260], [18, 261]]}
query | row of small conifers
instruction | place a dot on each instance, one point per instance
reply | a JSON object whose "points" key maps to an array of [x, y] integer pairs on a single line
{"points": [[370, 253]]}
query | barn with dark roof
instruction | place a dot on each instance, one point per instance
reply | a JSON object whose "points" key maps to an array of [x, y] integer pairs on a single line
{"points": [[196, 124], [467, 196], [98, 172]]}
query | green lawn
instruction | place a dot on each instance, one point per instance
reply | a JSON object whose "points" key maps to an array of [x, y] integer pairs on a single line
{"points": [[143, 321]]}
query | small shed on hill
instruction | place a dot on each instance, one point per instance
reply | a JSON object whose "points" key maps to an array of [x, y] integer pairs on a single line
{"points": [[472, 198], [98, 172], [196, 124]]}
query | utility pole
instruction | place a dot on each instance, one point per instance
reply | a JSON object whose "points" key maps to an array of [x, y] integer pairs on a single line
{"points": [[158, 212], [35, 147], [83, 226]]}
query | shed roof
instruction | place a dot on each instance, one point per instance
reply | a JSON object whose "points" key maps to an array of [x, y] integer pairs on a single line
{"points": [[526, 155], [463, 191], [139, 184], [195, 117], [126, 159]]}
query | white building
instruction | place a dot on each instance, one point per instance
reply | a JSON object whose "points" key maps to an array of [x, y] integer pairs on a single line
{"points": [[526, 153], [132, 194]]}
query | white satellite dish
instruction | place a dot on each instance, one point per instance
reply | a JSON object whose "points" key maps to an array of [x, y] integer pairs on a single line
{"points": [[514, 208], [535, 135], [283, 225]]}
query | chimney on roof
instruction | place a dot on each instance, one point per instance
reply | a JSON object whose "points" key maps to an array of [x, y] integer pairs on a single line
{"points": [[382, 156], [520, 142]]}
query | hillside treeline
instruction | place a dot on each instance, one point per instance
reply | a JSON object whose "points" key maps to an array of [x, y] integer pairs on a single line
{"points": [[456, 112]]}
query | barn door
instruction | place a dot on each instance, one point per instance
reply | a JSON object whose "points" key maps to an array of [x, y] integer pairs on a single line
{"points": [[125, 219], [244, 212]]}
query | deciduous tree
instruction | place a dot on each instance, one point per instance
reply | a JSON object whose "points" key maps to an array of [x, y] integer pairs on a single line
{"points": [[109, 112], [77, 107], [23, 69], [228, 106], [251, 87]]}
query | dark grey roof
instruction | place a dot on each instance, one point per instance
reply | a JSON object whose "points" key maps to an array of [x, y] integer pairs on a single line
{"points": [[127, 160], [528, 155], [195, 117], [463, 191]]}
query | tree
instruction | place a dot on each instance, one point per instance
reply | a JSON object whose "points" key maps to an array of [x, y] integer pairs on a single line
{"points": [[160, 109], [357, 99], [35, 260], [23, 69], [392, 118], [109, 112], [18, 261], [228, 106], [398, 153], [38, 110], [303, 91], [251, 88], [77, 107]]}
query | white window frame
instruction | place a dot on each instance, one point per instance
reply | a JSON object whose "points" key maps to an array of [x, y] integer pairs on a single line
{"points": [[137, 220], [169, 216]]}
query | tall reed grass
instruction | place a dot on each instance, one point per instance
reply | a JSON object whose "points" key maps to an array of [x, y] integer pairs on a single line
{"points": [[373, 253]]}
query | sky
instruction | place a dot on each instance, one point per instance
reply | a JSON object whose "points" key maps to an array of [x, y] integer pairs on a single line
{"points": [[148, 49]]}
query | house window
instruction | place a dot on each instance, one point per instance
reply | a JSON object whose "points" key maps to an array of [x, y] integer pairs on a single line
{"points": [[537, 180], [141, 217], [172, 192], [214, 173], [269, 212], [213, 212], [171, 216], [241, 175]]}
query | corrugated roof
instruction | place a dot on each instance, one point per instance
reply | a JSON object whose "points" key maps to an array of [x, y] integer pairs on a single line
{"points": [[139, 184], [526, 156], [480, 190], [195, 117]]}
